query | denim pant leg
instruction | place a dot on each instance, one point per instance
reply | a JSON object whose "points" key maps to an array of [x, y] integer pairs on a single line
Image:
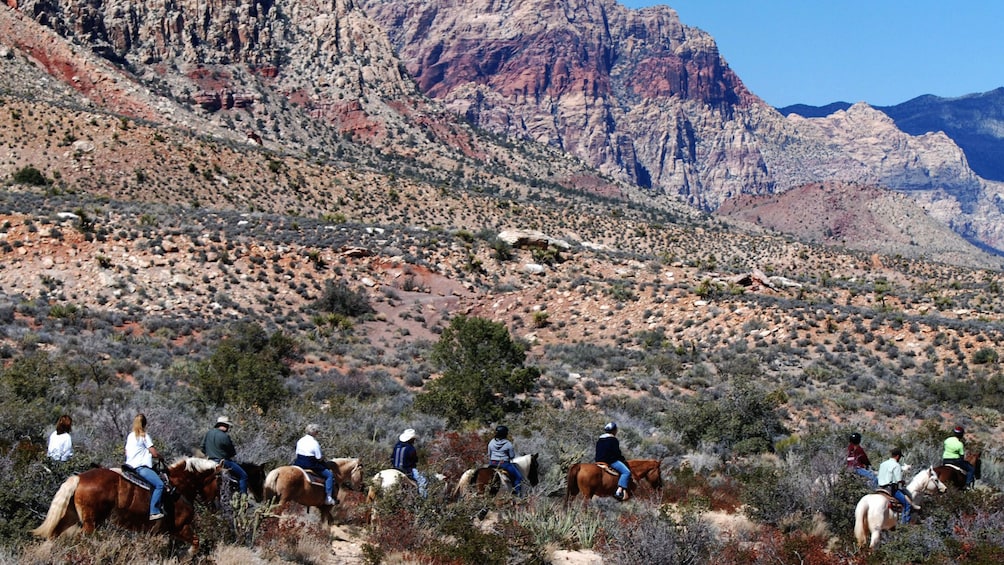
{"points": [[517, 477], [421, 481], [868, 474], [329, 482], [158, 487], [237, 471], [625, 478], [901, 497]]}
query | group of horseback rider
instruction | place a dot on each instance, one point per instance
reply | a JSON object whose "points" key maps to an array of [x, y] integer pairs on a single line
{"points": [[889, 478], [218, 446]]}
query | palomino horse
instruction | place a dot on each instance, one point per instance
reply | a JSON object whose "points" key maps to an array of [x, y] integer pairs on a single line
{"points": [[493, 479], [294, 484], [955, 476], [92, 497], [348, 472], [590, 479], [874, 511]]}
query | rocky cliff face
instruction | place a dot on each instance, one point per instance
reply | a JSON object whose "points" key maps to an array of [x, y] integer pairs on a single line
{"points": [[642, 96]]}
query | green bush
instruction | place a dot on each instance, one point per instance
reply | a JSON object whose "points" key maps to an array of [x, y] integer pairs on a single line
{"points": [[248, 367], [339, 299], [31, 176], [482, 372]]}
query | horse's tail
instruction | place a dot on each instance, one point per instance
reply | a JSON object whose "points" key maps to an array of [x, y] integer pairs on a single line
{"points": [[271, 488], [572, 486], [62, 513], [861, 522], [463, 483]]}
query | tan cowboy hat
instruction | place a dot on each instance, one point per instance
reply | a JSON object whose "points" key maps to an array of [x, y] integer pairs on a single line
{"points": [[225, 421], [407, 435]]}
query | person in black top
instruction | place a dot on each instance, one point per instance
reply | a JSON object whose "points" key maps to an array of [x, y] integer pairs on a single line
{"points": [[608, 450]]}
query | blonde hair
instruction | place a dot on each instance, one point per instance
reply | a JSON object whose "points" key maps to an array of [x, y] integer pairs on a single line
{"points": [[139, 425]]}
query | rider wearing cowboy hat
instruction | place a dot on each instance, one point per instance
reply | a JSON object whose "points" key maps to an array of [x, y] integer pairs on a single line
{"points": [[890, 478], [218, 446], [405, 459], [955, 453]]}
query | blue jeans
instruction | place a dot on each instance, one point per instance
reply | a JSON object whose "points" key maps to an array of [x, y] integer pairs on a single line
{"points": [[901, 497], [868, 474], [237, 471], [966, 466], [329, 481], [625, 479], [513, 470], [420, 480], [150, 476]]}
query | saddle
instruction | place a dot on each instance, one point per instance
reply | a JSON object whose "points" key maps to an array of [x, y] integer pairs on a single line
{"points": [[129, 474], [312, 476], [894, 502]]}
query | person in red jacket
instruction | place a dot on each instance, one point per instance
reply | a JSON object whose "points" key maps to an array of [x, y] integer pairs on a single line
{"points": [[858, 462]]}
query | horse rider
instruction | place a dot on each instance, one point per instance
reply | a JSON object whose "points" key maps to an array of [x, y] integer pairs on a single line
{"points": [[890, 479], [140, 452], [60, 442], [858, 462], [405, 459], [218, 446], [308, 456], [500, 455], [955, 453], [608, 450]]}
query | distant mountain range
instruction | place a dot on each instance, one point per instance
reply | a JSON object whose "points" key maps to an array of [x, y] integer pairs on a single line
{"points": [[975, 122]]}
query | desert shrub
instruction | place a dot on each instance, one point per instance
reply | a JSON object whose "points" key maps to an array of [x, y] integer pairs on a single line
{"points": [[767, 496], [745, 419], [31, 176], [247, 367], [985, 355], [659, 538], [482, 370], [339, 299]]}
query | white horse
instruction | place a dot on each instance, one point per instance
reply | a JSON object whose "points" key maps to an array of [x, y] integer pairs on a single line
{"points": [[874, 511], [389, 478]]}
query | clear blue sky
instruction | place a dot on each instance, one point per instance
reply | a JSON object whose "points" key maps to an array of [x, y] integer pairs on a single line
{"points": [[880, 51]]}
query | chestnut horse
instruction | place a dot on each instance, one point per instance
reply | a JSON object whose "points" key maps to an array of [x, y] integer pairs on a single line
{"points": [[590, 479], [92, 497], [952, 475], [492, 479], [293, 484]]}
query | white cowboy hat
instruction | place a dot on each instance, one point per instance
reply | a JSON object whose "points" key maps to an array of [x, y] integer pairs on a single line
{"points": [[407, 435], [225, 421]]}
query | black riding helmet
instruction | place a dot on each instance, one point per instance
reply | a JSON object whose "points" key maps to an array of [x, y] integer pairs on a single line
{"points": [[501, 432], [855, 438]]}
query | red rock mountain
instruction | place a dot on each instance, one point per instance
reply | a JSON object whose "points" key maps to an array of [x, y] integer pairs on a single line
{"points": [[636, 95]]}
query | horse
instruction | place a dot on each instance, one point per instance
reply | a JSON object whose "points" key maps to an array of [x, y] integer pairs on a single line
{"points": [[348, 472], [256, 479], [492, 479], [390, 478], [89, 499], [290, 483], [952, 475], [590, 479], [874, 511]]}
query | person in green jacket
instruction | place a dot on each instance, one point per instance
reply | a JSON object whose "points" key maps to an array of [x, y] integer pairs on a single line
{"points": [[955, 453], [218, 446]]}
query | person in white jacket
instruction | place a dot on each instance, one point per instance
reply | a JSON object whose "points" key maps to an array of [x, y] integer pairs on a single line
{"points": [[60, 442]]}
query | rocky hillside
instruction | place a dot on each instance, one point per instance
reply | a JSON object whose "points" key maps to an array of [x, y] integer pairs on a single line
{"points": [[641, 95]]}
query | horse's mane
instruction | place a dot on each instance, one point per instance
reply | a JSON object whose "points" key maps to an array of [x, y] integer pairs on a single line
{"points": [[194, 464]]}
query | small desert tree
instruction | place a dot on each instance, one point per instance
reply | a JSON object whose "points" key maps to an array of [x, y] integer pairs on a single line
{"points": [[248, 367], [482, 370]]}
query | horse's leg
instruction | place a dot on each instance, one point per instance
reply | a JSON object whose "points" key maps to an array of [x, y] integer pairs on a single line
{"points": [[861, 522]]}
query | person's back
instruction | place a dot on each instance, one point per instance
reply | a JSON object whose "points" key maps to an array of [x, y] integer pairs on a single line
{"points": [[608, 450], [955, 454], [404, 458], [501, 452]]}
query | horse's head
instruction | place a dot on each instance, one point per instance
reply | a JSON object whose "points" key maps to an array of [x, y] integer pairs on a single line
{"points": [[348, 470], [195, 477], [933, 482], [533, 473]]}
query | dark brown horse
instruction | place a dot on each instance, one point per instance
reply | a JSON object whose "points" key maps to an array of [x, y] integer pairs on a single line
{"points": [[951, 475], [92, 497], [590, 479]]}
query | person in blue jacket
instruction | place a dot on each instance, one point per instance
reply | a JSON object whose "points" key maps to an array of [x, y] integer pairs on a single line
{"points": [[608, 450], [405, 459]]}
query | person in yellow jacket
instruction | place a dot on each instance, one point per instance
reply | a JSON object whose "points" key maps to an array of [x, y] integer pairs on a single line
{"points": [[955, 453]]}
